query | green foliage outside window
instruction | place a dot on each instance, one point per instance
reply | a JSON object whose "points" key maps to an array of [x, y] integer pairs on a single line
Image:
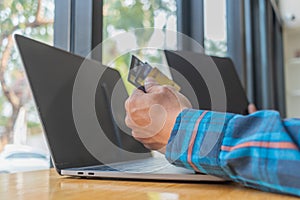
{"points": [[33, 18], [126, 16]]}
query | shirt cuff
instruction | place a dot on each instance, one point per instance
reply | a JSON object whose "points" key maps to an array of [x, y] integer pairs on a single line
{"points": [[196, 139]]}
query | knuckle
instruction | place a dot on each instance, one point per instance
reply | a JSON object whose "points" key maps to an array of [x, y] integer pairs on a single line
{"points": [[126, 104], [170, 88], [128, 121], [130, 104], [133, 101], [165, 89]]}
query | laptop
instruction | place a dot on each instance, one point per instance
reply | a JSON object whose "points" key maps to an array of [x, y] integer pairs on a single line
{"points": [[195, 72], [53, 74]]}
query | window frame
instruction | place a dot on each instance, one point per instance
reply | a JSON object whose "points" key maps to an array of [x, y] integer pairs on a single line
{"points": [[254, 20], [259, 44], [188, 15]]}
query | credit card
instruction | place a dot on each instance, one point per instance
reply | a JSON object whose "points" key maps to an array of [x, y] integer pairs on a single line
{"points": [[139, 71], [162, 79], [143, 73], [135, 67]]}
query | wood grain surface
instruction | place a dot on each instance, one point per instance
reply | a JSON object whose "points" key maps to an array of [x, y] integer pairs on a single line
{"points": [[48, 184]]}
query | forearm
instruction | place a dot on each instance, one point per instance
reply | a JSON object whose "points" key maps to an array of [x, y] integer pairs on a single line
{"points": [[251, 150]]}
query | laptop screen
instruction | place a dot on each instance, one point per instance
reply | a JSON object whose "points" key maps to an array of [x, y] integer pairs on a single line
{"points": [[202, 79], [52, 73]]}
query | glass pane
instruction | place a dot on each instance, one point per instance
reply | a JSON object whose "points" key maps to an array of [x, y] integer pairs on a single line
{"points": [[215, 36], [20, 127], [128, 15]]}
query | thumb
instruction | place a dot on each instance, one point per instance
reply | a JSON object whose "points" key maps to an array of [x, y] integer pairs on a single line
{"points": [[150, 83]]}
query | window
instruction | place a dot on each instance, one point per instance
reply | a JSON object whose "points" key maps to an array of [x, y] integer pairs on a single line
{"points": [[240, 30], [19, 122], [215, 35], [129, 15]]}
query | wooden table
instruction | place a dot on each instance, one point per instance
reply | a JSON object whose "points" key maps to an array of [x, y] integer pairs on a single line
{"points": [[48, 184]]}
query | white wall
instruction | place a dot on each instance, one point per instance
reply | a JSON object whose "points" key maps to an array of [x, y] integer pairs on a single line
{"points": [[292, 70], [290, 12]]}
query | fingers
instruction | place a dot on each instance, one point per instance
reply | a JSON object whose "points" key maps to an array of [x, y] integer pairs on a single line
{"points": [[150, 83], [135, 96], [251, 108], [152, 115], [137, 93], [150, 121]]}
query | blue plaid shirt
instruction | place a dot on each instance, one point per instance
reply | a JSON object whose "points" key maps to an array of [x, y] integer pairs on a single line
{"points": [[260, 150]]}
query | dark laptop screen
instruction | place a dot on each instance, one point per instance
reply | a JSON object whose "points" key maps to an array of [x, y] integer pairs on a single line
{"points": [[194, 85], [51, 73]]}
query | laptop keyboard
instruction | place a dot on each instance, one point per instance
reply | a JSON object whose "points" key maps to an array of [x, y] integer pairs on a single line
{"points": [[98, 168], [138, 166]]}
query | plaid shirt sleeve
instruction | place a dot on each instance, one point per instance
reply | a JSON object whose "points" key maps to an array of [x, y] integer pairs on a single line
{"points": [[260, 150]]}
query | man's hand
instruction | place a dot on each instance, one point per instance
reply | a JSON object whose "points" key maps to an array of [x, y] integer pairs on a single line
{"points": [[152, 115]]}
